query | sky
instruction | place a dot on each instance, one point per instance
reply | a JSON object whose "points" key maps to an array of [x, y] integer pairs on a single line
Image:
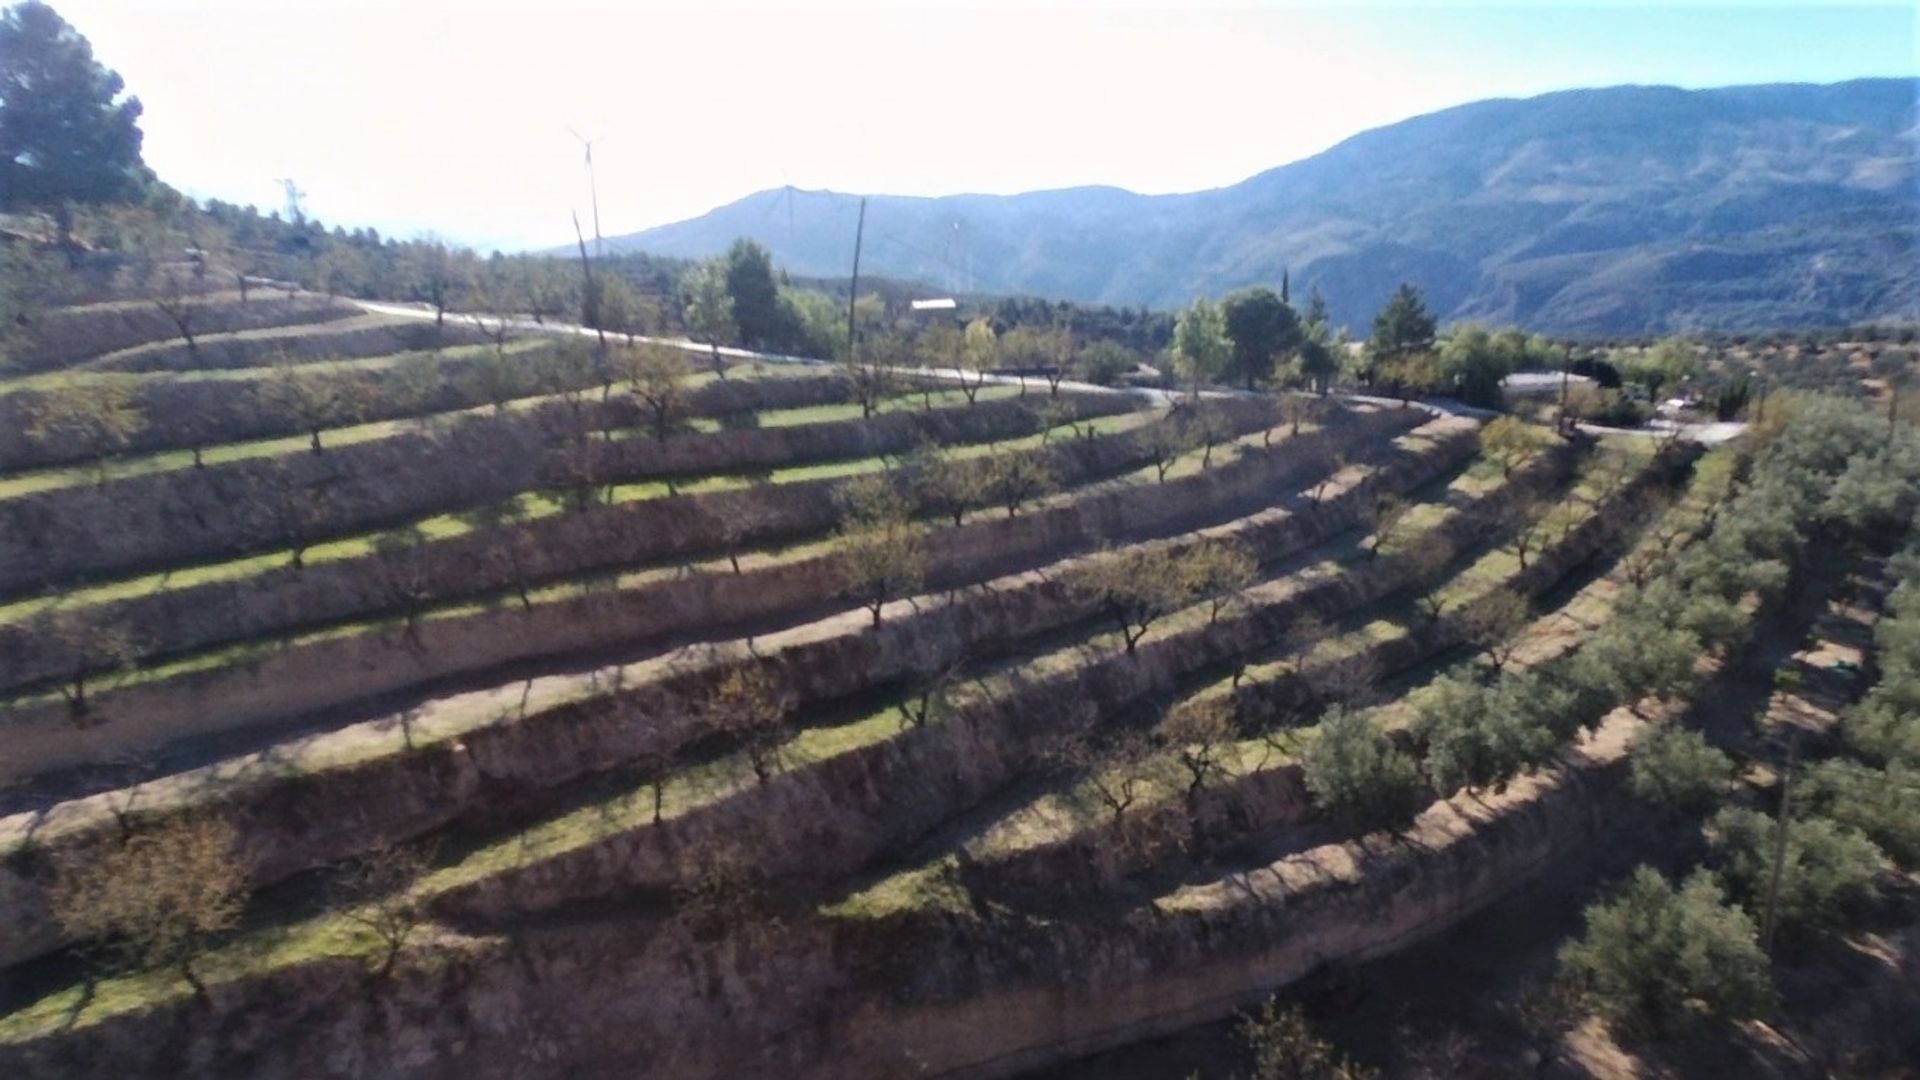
{"points": [[460, 118]]}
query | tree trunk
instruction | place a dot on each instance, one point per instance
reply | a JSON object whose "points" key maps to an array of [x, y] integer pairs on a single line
{"points": [[63, 220]]}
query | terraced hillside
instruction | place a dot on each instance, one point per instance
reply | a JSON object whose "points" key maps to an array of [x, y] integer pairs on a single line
{"points": [[534, 707]]}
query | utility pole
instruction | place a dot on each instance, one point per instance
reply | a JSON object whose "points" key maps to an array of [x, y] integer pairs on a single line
{"points": [[1770, 917], [590, 308], [593, 194], [296, 214], [853, 290], [1566, 378]]}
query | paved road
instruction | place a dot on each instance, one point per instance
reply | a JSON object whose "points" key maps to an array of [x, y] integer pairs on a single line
{"points": [[1707, 434]]}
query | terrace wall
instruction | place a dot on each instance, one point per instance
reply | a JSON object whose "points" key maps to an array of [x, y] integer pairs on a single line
{"points": [[293, 817], [933, 994], [65, 337], [230, 509], [1271, 802], [491, 560], [826, 819]]}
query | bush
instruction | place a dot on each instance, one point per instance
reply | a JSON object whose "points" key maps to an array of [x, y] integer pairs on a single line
{"points": [[1677, 771], [1882, 805], [1829, 870], [1285, 1047], [1475, 740], [1356, 774], [1656, 957]]}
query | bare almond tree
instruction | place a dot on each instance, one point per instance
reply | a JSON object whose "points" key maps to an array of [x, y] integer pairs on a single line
{"points": [[101, 416], [1201, 731], [750, 706], [656, 376], [1132, 587], [92, 648], [157, 898], [377, 894], [1492, 625], [1219, 571]]}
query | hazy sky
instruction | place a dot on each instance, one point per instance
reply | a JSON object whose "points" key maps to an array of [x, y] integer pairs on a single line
{"points": [[453, 115]]}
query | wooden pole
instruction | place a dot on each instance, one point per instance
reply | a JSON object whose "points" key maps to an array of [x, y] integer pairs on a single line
{"points": [[1770, 916], [853, 290]]}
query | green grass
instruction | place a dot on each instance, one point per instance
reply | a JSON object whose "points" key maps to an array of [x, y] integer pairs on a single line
{"points": [[532, 505]]}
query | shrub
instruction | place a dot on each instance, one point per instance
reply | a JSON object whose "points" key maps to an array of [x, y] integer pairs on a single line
{"points": [[1285, 1047], [1677, 771], [1655, 956], [1473, 742], [1356, 774], [1828, 870], [1883, 805]]}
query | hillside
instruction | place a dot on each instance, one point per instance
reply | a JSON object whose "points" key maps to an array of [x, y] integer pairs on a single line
{"points": [[1619, 210]]}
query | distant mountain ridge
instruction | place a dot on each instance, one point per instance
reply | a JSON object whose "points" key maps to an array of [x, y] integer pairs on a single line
{"points": [[1620, 210]]}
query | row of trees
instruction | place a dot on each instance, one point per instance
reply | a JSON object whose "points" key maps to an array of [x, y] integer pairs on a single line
{"points": [[1828, 467], [1659, 953]]}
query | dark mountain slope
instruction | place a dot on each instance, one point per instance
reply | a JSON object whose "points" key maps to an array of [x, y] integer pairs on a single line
{"points": [[1626, 209]]}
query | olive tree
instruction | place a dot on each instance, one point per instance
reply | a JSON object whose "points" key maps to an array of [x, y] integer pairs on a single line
{"points": [[1829, 872], [1471, 742], [1676, 770], [1655, 956], [1356, 774]]}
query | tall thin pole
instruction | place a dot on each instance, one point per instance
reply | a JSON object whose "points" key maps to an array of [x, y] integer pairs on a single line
{"points": [[593, 194], [853, 290], [1770, 916]]}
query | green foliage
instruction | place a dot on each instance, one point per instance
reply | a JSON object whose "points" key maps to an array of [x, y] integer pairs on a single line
{"points": [[1655, 958], [1103, 362], [1475, 361], [1883, 805], [1285, 1047], [1261, 329], [1403, 327], [708, 303], [1669, 362], [67, 137], [761, 320], [1201, 348], [1472, 741], [1829, 871], [1358, 776], [1630, 660], [1878, 490], [1675, 769]]}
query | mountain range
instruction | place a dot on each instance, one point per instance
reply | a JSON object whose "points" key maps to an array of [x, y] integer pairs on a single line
{"points": [[1620, 210]]}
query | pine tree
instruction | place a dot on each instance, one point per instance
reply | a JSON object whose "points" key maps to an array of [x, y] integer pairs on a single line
{"points": [[67, 137]]}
